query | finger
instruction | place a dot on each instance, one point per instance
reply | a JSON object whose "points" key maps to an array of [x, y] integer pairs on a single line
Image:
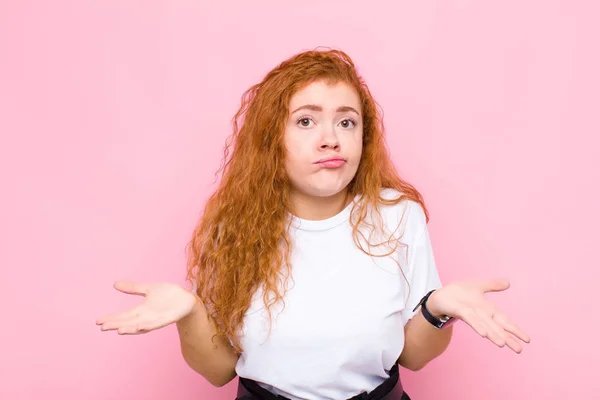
{"points": [[140, 326], [142, 323], [509, 326], [153, 324], [129, 314], [130, 330], [513, 343], [496, 285], [495, 333], [131, 287], [118, 324]]}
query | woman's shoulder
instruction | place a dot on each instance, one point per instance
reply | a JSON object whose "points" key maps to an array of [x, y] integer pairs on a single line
{"points": [[393, 199], [398, 209]]}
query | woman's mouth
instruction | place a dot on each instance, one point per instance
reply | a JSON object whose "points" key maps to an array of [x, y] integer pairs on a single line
{"points": [[331, 162]]}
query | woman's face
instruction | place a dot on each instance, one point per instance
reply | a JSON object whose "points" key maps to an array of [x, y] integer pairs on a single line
{"points": [[323, 138]]}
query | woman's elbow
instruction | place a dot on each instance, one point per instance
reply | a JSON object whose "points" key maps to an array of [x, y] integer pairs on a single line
{"points": [[414, 366], [220, 380]]}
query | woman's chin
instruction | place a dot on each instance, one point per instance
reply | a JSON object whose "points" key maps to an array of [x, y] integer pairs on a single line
{"points": [[325, 192]]}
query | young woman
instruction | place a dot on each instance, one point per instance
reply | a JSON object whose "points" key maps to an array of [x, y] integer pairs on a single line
{"points": [[313, 271]]}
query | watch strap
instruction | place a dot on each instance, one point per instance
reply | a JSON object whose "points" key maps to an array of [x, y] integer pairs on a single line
{"points": [[438, 323]]}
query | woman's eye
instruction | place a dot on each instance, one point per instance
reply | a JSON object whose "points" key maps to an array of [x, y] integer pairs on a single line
{"points": [[305, 122], [347, 123]]}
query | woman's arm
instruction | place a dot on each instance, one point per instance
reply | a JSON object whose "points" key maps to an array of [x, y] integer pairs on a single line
{"points": [[422, 341], [214, 360], [464, 301]]}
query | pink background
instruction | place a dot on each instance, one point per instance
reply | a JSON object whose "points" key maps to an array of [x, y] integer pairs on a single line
{"points": [[113, 115]]}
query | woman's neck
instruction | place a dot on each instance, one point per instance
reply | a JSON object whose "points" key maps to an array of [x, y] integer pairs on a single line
{"points": [[318, 208]]}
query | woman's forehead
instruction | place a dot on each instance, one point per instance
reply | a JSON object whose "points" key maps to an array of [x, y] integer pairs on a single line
{"points": [[325, 95]]}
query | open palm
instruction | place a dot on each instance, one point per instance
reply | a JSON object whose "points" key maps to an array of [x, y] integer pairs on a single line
{"points": [[164, 304], [466, 301]]}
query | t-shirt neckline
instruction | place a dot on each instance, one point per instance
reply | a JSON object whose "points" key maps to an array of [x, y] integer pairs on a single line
{"points": [[323, 224]]}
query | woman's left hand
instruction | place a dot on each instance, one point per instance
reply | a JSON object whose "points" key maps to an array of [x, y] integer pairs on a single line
{"points": [[466, 301]]}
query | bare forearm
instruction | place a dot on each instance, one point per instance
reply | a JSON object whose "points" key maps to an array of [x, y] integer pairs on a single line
{"points": [[423, 342], [214, 360]]}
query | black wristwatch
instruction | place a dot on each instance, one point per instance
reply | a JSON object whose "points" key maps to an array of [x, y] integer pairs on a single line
{"points": [[439, 323]]}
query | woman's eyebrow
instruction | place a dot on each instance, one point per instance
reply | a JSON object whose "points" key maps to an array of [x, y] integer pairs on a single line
{"points": [[314, 107]]}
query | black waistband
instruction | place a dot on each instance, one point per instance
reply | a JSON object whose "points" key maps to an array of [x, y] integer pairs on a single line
{"points": [[390, 389]]}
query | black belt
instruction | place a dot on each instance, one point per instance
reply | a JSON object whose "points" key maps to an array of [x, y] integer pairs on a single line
{"points": [[390, 389]]}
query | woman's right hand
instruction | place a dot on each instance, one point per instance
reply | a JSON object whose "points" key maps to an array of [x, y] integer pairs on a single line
{"points": [[164, 304]]}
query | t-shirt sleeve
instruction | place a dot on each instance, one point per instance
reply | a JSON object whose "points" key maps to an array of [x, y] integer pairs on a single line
{"points": [[422, 273]]}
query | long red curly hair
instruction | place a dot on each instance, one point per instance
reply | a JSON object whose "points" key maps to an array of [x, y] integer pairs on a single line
{"points": [[241, 241]]}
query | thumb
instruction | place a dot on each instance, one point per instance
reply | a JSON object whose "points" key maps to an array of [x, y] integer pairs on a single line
{"points": [[131, 287], [496, 285]]}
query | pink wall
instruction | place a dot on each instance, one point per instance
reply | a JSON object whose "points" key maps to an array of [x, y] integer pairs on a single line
{"points": [[113, 116]]}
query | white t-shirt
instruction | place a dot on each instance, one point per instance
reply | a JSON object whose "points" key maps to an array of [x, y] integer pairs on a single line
{"points": [[342, 328]]}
